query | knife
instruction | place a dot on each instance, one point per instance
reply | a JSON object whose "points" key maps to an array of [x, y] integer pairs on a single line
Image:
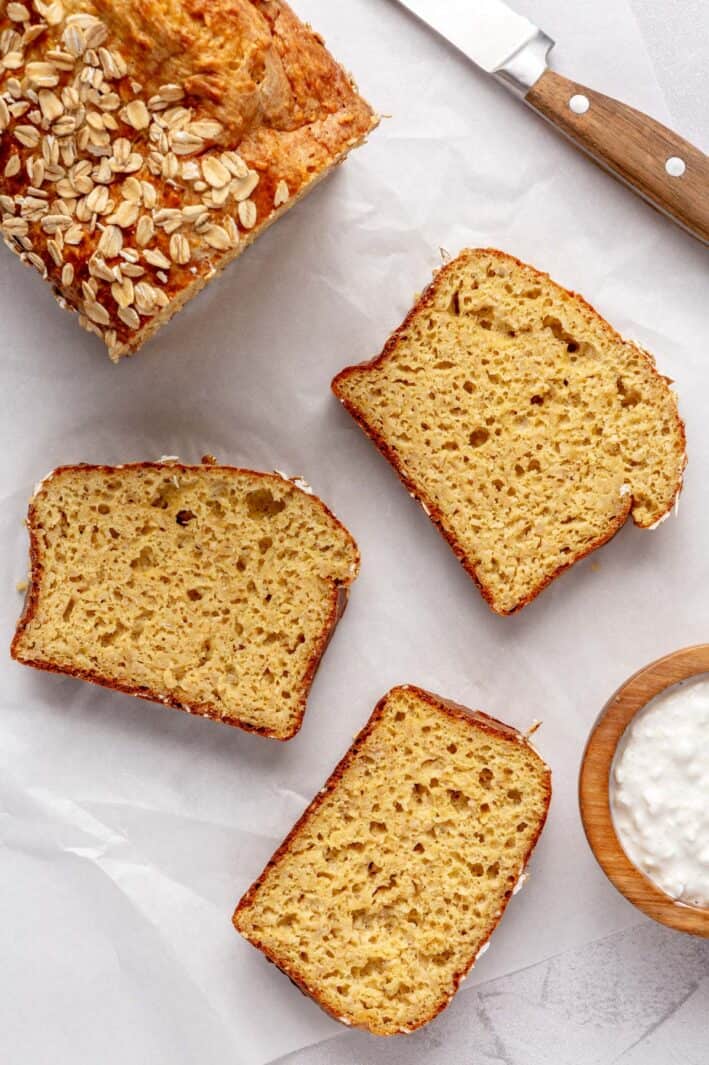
{"points": [[667, 171]]}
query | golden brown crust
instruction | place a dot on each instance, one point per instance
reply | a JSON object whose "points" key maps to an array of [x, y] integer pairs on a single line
{"points": [[453, 709], [150, 91], [427, 299], [339, 594]]}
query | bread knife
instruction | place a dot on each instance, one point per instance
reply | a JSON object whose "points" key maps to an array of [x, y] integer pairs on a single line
{"points": [[667, 171]]}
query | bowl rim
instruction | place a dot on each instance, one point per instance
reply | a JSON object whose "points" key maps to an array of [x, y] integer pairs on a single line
{"points": [[594, 788]]}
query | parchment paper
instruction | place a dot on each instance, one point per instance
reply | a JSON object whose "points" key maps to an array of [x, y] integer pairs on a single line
{"points": [[128, 832]]}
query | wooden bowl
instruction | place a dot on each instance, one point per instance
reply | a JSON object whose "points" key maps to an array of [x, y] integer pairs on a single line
{"points": [[594, 789]]}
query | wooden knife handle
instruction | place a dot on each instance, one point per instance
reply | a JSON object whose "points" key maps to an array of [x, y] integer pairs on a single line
{"points": [[668, 171]]}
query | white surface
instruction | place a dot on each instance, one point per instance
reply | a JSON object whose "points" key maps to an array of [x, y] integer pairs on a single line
{"points": [[660, 791], [128, 831]]}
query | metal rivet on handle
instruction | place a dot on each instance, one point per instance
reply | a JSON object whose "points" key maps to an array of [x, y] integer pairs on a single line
{"points": [[675, 166], [579, 104]]}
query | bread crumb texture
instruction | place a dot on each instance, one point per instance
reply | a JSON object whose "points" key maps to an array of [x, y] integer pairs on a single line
{"points": [[210, 589], [382, 896], [528, 428], [144, 144]]}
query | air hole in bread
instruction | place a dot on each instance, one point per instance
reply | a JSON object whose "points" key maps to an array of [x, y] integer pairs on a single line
{"points": [[478, 437]]}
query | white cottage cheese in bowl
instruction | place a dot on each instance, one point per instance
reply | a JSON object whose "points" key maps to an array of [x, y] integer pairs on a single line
{"points": [[659, 791]]}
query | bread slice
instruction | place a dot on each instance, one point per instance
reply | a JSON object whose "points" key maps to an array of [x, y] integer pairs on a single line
{"points": [[207, 588], [528, 429], [389, 887]]}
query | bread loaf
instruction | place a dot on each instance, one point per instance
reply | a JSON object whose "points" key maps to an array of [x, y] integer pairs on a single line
{"points": [[389, 887], [207, 588], [145, 143], [528, 429]]}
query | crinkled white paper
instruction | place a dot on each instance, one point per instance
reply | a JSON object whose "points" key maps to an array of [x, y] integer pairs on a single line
{"points": [[128, 832]]}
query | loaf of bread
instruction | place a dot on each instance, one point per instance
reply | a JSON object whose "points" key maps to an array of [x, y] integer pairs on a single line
{"points": [[145, 143], [389, 887], [207, 588], [527, 428]]}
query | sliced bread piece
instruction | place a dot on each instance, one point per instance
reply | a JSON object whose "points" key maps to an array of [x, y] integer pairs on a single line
{"points": [[390, 885], [528, 429], [207, 588]]}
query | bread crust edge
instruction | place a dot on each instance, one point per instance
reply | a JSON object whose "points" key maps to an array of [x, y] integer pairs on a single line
{"points": [[185, 296], [339, 596], [476, 718], [434, 513]]}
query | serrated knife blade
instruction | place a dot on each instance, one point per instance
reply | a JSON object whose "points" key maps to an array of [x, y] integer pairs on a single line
{"points": [[666, 170]]}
